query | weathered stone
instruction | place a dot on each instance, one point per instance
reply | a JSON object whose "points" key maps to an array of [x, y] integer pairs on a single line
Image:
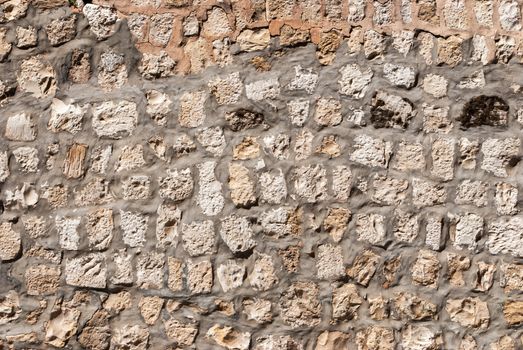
{"points": [[425, 269], [435, 85], [210, 197], [183, 333], [168, 217], [484, 276], [177, 185], [37, 77], [130, 337], [253, 40], [305, 79], [374, 338], [336, 222], [405, 226], [198, 238], [149, 270], [413, 307], [101, 20], [273, 187], [66, 117], [230, 275], [472, 192], [263, 276], [509, 15], [237, 233], [86, 271], [388, 190], [293, 37], [484, 110], [263, 89], [67, 228], [328, 112], [363, 267], [300, 306], [192, 113], [469, 312], [26, 37], [229, 338], [398, 75], [226, 90], [21, 127], [310, 183], [199, 277], [498, 154], [346, 301], [61, 30], [449, 51], [354, 81], [374, 44], [100, 229], [62, 326], [157, 65], [134, 226], [258, 310], [371, 228], [42, 279], [426, 193], [114, 120], [421, 337], [391, 111], [150, 308], [456, 264], [112, 71], [330, 262]]}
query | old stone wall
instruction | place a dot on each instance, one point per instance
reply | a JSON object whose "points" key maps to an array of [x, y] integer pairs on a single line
{"points": [[261, 174]]}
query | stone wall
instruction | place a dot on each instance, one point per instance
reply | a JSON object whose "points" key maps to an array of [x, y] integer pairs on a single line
{"points": [[261, 174]]}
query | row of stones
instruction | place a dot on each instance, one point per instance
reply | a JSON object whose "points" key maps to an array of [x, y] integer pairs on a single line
{"points": [[200, 53], [303, 297], [299, 305]]}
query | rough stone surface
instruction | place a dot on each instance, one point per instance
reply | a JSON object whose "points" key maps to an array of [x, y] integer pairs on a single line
{"points": [[261, 174]]}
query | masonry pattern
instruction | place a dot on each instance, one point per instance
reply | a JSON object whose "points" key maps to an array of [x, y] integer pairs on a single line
{"points": [[261, 174]]}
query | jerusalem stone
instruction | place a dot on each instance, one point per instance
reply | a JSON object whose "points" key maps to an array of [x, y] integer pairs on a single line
{"points": [[336, 222], [175, 279], [304, 79], [27, 159], [506, 198], [388, 190], [249, 148], [212, 140], [100, 229], [443, 158], [66, 117], [484, 276], [183, 333], [243, 119], [263, 89], [509, 15], [498, 154], [37, 77], [237, 233], [131, 157], [273, 187], [258, 310], [355, 82], [303, 144], [226, 90], [101, 20], [134, 226], [346, 301], [398, 75], [300, 305], [371, 151], [160, 29], [230, 275], [130, 337], [427, 193], [20, 127], [263, 276], [468, 150], [95, 192], [114, 120], [408, 156], [374, 338], [512, 311], [363, 267], [192, 113], [150, 308], [449, 51], [310, 183], [413, 307], [341, 183], [154, 66], [504, 236], [26, 37], [371, 228], [210, 197], [425, 269], [277, 145], [253, 40], [281, 222], [86, 271], [61, 30], [149, 270], [374, 44], [405, 226], [62, 326], [421, 338], [435, 85], [198, 238], [11, 242], [136, 187], [328, 112], [177, 185], [118, 302], [168, 217], [229, 338], [329, 147], [42, 279], [469, 312], [158, 106], [123, 272], [391, 111], [456, 265], [67, 228], [433, 235], [472, 192], [511, 277], [330, 262], [199, 277], [112, 71], [298, 111], [293, 37]]}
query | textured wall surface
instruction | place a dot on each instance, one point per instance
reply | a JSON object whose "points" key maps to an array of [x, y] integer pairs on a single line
{"points": [[261, 174]]}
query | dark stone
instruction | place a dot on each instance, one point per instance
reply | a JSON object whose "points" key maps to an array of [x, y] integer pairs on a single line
{"points": [[484, 110], [243, 119], [390, 111]]}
